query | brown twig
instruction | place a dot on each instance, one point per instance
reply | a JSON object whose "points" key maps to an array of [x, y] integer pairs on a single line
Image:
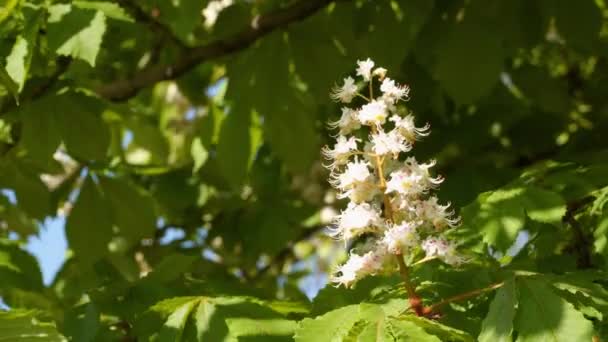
{"points": [[430, 310], [260, 26], [582, 245]]}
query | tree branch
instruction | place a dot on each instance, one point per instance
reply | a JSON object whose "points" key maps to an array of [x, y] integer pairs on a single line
{"points": [[260, 26], [582, 245]]}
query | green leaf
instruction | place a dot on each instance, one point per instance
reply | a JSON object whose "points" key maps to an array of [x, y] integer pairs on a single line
{"points": [[469, 47], [402, 330], [32, 195], [89, 225], [148, 146], [261, 329], [173, 328], [7, 9], [444, 332], [203, 316], [544, 316], [109, 9], [282, 120], [9, 84], [76, 32], [543, 205], [85, 134], [332, 326], [579, 23], [497, 216], [19, 60], [199, 154], [498, 324], [234, 146], [23, 326], [82, 323], [18, 269], [40, 134], [133, 210], [501, 214]]}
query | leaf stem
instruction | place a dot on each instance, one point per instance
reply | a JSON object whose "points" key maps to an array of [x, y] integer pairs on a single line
{"points": [[433, 308]]}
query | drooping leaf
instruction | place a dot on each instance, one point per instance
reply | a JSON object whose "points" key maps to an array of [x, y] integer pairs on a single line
{"points": [[82, 128], [544, 316], [18, 269], [498, 324], [234, 146], [76, 32], [18, 62], [9, 83], [82, 323], [89, 225], [133, 210]]}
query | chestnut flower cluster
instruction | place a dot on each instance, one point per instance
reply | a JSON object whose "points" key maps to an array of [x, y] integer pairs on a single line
{"points": [[390, 199]]}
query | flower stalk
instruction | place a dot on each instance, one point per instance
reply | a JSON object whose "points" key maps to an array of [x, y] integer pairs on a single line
{"points": [[391, 206]]}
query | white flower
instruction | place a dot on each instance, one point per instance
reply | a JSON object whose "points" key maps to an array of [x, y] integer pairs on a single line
{"points": [[355, 220], [345, 93], [356, 171], [361, 191], [443, 249], [389, 143], [413, 166], [341, 151], [436, 214], [373, 113], [213, 10], [357, 267], [391, 92], [348, 121], [405, 183], [401, 238], [408, 129], [365, 69], [380, 73]]}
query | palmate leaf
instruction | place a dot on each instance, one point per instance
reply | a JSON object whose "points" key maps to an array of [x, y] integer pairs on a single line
{"points": [[89, 225], [543, 316], [333, 326], [370, 322], [498, 324], [23, 326], [214, 319], [498, 216]]}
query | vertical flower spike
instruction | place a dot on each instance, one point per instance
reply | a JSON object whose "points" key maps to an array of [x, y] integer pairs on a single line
{"points": [[390, 195]]}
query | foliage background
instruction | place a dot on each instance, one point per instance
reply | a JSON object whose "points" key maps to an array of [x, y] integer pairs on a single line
{"points": [[135, 120]]}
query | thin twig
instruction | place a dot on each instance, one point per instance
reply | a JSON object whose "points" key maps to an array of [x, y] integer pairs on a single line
{"points": [[582, 245], [433, 308]]}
